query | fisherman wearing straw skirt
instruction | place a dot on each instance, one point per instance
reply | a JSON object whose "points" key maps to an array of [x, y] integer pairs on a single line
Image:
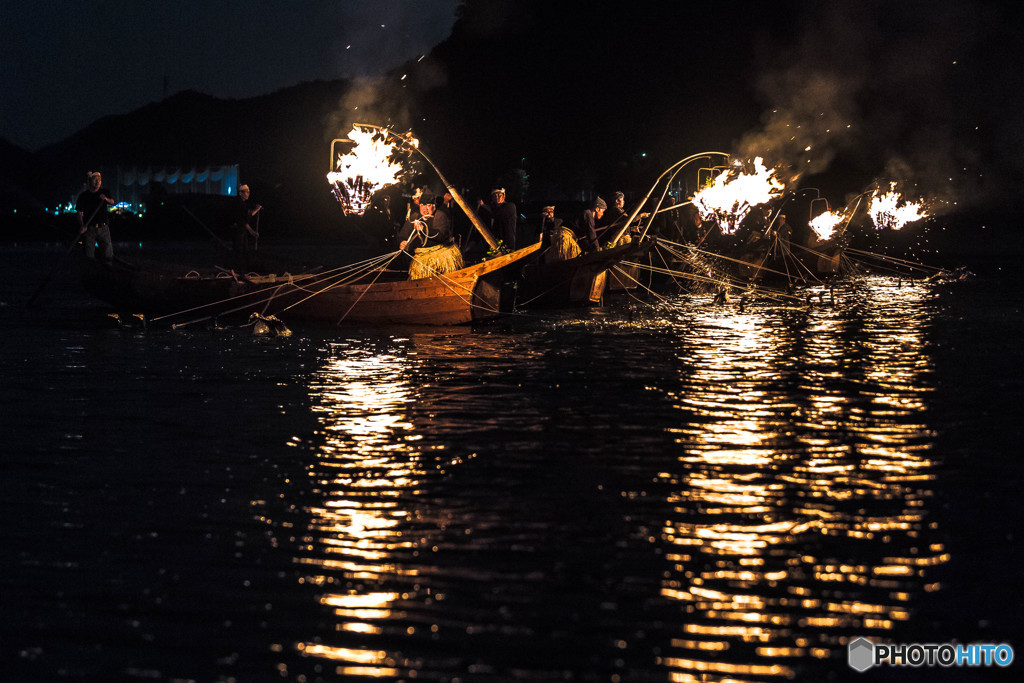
{"points": [[429, 243], [559, 242]]}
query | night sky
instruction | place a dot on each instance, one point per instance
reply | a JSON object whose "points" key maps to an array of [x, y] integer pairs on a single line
{"points": [[929, 92], [64, 64]]}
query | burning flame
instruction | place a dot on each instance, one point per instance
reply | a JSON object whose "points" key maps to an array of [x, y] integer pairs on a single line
{"points": [[824, 224], [733, 193], [891, 211], [364, 170]]}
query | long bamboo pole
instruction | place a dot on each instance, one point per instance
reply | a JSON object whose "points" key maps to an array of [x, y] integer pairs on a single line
{"points": [[636, 211], [74, 243], [473, 217]]}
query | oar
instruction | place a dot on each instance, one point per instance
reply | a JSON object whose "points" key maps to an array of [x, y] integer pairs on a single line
{"points": [[56, 267], [53, 271], [212, 233]]}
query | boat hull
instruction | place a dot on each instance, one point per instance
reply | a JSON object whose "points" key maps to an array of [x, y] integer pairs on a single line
{"points": [[463, 296], [174, 295], [579, 281], [158, 289]]}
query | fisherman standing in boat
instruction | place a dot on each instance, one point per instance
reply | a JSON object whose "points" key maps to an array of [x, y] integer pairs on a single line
{"points": [[689, 228], [444, 214], [586, 224], [429, 242], [549, 226], [616, 212], [501, 217], [91, 208], [422, 230], [244, 218], [783, 234], [557, 241]]}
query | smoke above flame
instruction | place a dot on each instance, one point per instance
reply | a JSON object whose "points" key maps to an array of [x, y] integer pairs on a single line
{"points": [[810, 123], [734, 192], [876, 91]]}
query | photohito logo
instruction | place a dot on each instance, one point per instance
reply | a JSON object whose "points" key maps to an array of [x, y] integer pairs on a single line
{"points": [[862, 654]]}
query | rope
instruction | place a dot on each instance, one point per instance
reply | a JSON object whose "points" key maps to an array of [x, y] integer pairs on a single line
{"points": [[639, 284], [298, 287], [365, 290], [723, 278], [803, 265], [910, 264], [304, 280], [545, 292], [357, 273], [736, 281], [750, 288], [445, 280]]}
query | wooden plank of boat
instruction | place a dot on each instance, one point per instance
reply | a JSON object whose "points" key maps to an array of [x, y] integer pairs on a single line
{"points": [[576, 281], [152, 288], [623, 278], [471, 293], [451, 299]]}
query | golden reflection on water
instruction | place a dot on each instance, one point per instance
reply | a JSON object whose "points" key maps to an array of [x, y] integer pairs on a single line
{"points": [[796, 513], [367, 475], [762, 536]]}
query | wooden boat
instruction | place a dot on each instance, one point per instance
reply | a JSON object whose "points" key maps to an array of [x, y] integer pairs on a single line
{"points": [[463, 296], [179, 295], [769, 261], [152, 287], [577, 281], [623, 278]]}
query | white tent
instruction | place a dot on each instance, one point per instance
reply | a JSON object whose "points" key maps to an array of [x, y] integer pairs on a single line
{"points": [[135, 184]]}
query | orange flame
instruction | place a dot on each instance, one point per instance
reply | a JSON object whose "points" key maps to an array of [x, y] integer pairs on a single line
{"points": [[891, 211], [364, 170], [733, 193], [824, 224]]}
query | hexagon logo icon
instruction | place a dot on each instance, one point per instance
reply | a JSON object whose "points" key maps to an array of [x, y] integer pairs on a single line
{"points": [[860, 654]]}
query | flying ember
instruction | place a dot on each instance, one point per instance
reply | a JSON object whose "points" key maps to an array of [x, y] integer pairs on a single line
{"points": [[733, 193], [364, 170], [891, 211], [824, 224]]}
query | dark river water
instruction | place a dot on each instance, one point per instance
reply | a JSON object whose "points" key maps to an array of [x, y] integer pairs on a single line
{"points": [[676, 491]]}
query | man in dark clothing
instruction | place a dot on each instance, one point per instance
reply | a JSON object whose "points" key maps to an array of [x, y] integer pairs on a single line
{"points": [[783, 234], [615, 217], [689, 228], [444, 214], [616, 214], [424, 231], [549, 226], [93, 220], [245, 234], [501, 217], [586, 224]]}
